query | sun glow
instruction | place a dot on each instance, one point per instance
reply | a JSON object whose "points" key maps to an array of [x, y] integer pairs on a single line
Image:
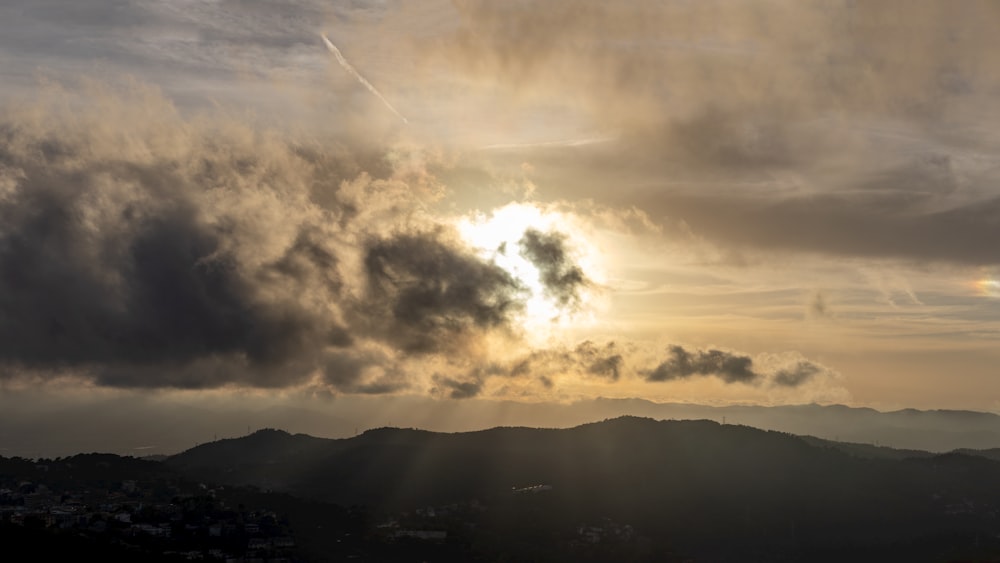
{"points": [[988, 287], [497, 237]]}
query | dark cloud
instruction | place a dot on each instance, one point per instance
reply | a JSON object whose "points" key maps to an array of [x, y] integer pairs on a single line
{"points": [[612, 361], [459, 389], [561, 277], [797, 374], [144, 279], [144, 250], [434, 294], [363, 369], [731, 368], [605, 361]]}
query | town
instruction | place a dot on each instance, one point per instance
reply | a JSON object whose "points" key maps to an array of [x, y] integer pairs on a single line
{"points": [[153, 513]]}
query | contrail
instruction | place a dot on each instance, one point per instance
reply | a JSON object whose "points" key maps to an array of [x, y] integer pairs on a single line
{"points": [[350, 69]]}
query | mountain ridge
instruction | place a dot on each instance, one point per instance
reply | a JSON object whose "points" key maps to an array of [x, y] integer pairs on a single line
{"points": [[47, 431]]}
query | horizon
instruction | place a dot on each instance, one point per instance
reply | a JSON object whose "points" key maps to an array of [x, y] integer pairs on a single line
{"points": [[77, 431]]}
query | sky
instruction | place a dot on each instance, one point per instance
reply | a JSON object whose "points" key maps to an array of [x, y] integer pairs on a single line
{"points": [[301, 202]]}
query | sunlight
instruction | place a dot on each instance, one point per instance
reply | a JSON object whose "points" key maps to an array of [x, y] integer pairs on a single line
{"points": [[496, 237], [988, 287]]}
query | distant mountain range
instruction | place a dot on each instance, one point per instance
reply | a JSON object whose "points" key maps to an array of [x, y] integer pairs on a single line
{"points": [[931, 430], [37, 429]]}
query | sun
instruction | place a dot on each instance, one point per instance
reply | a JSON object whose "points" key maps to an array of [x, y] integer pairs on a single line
{"points": [[497, 236]]}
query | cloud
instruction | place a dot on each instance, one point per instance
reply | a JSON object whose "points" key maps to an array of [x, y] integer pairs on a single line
{"points": [[731, 368], [587, 358], [140, 248], [609, 365], [661, 57], [787, 370], [458, 389], [796, 375], [900, 225], [144, 249], [434, 294], [786, 374], [852, 139], [366, 368], [561, 278]]}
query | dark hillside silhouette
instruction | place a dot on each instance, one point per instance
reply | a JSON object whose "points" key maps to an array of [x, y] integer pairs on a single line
{"points": [[696, 487]]}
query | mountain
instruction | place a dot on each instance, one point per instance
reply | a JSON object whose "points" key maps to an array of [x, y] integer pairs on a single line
{"points": [[33, 427], [930, 430], [711, 491]]}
